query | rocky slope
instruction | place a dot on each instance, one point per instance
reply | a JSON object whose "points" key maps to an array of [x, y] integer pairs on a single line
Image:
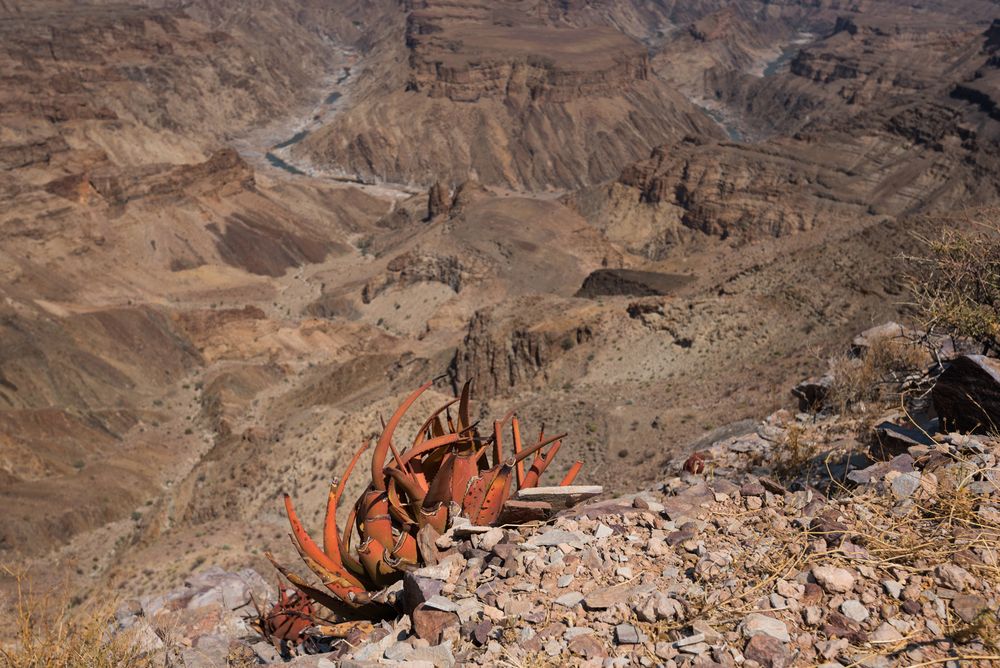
{"points": [[122, 210], [806, 539]]}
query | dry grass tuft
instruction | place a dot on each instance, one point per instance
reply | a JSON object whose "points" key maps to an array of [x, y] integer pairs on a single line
{"points": [[873, 380], [794, 453], [49, 634], [957, 284]]}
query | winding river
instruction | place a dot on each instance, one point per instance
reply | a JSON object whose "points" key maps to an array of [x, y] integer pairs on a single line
{"points": [[730, 122]]}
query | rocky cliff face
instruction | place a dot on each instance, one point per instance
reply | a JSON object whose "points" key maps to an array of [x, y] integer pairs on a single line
{"points": [[460, 53], [66, 72], [117, 187], [510, 347], [857, 61], [982, 88], [496, 93]]}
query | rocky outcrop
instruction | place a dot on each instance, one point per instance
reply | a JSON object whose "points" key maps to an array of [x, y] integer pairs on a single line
{"points": [[725, 189], [511, 346], [56, 66], [852, 55], [420, 266], [984, 93], [31, 152], [461, 53], [983, 88], [118, 186], [912, 154], [438, 200]]}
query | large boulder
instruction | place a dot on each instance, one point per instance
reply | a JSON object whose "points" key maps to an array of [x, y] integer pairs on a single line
{"points": [[967, 395]]}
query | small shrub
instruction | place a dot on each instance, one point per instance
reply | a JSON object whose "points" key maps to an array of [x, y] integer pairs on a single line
{"points": [[875, 377], [956, 285], [793, 454]]}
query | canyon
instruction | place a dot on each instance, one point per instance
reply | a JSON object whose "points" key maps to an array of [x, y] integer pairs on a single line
{"points": [[234, 234]]}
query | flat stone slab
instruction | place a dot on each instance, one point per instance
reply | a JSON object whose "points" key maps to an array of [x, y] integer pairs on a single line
{"points": [[469, 530], [522, 512], [570, 599], [554, 537], [560, 498], [605, 597]]}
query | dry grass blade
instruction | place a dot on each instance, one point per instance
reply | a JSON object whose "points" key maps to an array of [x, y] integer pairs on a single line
{"points": [[52, 635]]}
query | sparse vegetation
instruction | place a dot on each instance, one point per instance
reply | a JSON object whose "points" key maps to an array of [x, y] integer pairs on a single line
{"points": [[956, 285], [364, 244], [50, 633], [873, 379]]}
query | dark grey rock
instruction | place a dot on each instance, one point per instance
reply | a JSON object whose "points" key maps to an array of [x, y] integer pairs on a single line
{"points": [[892, 440], [812, 392], [967, 395]]}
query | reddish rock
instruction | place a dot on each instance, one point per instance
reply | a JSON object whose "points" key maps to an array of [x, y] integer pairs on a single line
{"points": [[968, 607], [840, 626], [521, 512], [417, 590], [773, 486], [695, 463], [605, 597], [434, 626], [481, 633], [813, 594], [588, 647], [769, 652], [553, 630]]}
